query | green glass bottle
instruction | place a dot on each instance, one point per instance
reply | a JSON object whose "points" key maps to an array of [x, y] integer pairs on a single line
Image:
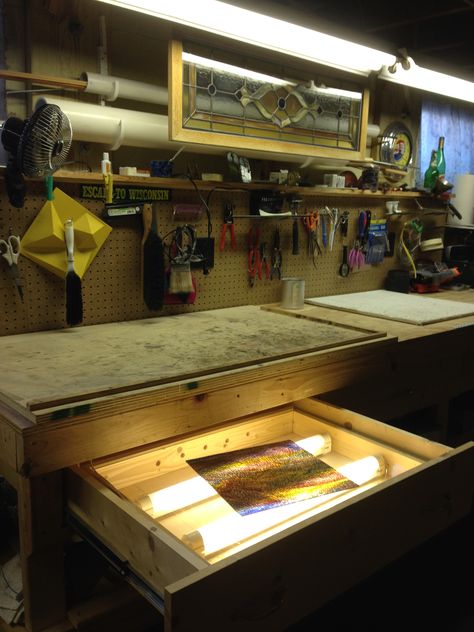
{"points": [[440, 160], [431, 174]]}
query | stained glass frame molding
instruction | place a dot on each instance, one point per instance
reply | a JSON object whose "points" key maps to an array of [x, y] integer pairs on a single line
{"points": [[214, 103]]}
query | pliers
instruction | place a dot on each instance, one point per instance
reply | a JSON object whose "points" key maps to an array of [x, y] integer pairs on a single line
{"points": [[228, 224], [254, 263], [276, 256], [264, 260]]}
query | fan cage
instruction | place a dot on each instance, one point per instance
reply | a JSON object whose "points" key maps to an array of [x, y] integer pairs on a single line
{"points": [[45, 141]]}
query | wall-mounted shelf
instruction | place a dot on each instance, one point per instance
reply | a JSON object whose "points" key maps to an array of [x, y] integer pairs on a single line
{"points": [[185, 184]]}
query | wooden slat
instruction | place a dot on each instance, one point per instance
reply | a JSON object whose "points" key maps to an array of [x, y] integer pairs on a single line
{"points": [[63, 176], [121, 471], [40, 512], [152, 552], [43, 80], [387, 435]]}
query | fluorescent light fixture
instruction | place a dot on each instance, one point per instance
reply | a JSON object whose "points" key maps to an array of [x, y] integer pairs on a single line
{"points": [[194, 490], [265, 31], [233, 528], [417, 77], [335, 92], [234, 70]]}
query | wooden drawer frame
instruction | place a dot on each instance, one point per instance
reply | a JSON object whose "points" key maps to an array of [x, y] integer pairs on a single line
{"points": [[348, 541]]}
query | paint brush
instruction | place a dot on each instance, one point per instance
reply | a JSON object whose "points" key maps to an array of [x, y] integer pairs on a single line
{"points": [[153, 265], [73, 280]]}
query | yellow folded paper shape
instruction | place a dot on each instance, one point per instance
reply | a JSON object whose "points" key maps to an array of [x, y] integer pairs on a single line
{"points": [[44, 241]]}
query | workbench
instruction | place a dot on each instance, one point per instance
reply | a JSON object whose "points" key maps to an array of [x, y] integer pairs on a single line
{"points": [[57, 414]]}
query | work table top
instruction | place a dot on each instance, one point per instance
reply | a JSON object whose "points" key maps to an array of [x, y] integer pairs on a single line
{"points": [[56, 367], [52, 368]]}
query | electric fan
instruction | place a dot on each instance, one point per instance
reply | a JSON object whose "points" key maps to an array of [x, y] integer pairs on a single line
{"points": [[37, 147]]}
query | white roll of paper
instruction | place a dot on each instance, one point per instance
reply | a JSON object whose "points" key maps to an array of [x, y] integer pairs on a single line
{"points": [[464, 200]]}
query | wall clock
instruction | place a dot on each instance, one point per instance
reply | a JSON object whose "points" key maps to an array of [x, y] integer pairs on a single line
{"points": [[396, 145]]}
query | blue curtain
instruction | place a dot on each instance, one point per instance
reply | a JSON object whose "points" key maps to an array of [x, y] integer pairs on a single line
{"points": [[455, 122]]}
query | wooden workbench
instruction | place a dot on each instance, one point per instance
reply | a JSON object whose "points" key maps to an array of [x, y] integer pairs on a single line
{"points": [[72, 408]]}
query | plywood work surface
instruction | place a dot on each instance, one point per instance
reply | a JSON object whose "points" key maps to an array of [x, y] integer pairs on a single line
{"points": [[47, 368], [408, 308]]}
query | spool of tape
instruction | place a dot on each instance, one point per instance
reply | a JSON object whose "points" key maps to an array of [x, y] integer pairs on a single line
{"points": [[431, 244]]}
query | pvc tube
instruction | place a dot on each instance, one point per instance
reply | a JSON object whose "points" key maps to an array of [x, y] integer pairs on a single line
{"points": [[113, 126], [115, 87]]}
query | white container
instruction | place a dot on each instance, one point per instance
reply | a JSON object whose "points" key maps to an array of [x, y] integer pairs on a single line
{"points": [[292, 293]]}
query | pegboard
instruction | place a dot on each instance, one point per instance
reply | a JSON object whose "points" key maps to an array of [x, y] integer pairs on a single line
{"points": [[111, 288]]}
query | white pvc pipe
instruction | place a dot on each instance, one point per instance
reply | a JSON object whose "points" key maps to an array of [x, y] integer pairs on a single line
{"points": [[113, 126], [114, 87]]}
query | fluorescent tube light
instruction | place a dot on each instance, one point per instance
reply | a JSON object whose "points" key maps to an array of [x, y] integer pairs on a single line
{"points": [[234, 70], [265, 31], [417, 77]]}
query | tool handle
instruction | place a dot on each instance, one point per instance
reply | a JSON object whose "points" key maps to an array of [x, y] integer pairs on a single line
{"points": [[69, 233], [233, 241], [222, 240], [454, 210], [49, 187], [147, 218], [296, 244]]}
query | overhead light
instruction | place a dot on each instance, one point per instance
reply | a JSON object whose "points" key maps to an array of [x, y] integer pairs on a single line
{"points": [[265, 31], [408, 73], [234, 70]]}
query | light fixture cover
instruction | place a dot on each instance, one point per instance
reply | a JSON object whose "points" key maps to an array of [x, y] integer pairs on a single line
{"points": [[430, 80], [265, 31]]}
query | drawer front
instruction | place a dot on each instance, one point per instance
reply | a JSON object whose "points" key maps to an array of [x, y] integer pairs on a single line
{"points": [[278, 581], [298, 571]]}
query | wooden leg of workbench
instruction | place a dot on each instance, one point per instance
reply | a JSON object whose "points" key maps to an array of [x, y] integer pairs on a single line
{"points": [[40, 520]]}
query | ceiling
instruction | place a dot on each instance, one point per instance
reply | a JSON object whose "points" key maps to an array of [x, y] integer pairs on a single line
{"points": [[437, 34]]}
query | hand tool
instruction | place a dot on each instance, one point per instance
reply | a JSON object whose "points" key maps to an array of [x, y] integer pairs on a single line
{"points": [[276, 255], [73, 280], [324, 235], [10, 251], [356, 257], [153, 265], [254, 263], [310, 222], [294, 205], [228, 224], [344, 267], [264, 260]]}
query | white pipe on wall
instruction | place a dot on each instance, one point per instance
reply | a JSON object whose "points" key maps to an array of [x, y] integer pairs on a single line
{"points": [[113, 126], [114, 87]]}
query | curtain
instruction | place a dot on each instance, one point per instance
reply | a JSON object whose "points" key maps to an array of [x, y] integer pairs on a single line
{"points": [[456, 123]]}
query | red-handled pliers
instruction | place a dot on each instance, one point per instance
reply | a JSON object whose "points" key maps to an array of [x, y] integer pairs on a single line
{"points": [[228, 223]]}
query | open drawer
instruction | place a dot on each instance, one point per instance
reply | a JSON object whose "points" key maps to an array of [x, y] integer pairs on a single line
{"points": [[217, 569]]}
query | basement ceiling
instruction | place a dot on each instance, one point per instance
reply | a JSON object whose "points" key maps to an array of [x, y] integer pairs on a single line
{"points": [[437, 34]]}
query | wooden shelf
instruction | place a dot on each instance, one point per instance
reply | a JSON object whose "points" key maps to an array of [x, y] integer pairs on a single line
{"points": [[178, 183]]}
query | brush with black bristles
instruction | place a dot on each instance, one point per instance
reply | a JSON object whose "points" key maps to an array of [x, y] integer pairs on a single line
{"points": [[73, 280], [153, 265]]}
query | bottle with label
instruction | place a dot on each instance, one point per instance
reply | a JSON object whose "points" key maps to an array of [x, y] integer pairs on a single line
{"points": [[440, 160], [431, 174]]}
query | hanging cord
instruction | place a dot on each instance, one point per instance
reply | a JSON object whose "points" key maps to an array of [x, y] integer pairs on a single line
{"points": [[415, 231], [205, 203], [182, 245]]}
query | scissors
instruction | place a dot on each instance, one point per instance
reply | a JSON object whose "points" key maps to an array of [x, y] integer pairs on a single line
{"points": [[10, 251]]}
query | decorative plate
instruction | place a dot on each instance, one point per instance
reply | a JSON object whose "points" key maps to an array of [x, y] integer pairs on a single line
{"points": [[396, 145]]}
